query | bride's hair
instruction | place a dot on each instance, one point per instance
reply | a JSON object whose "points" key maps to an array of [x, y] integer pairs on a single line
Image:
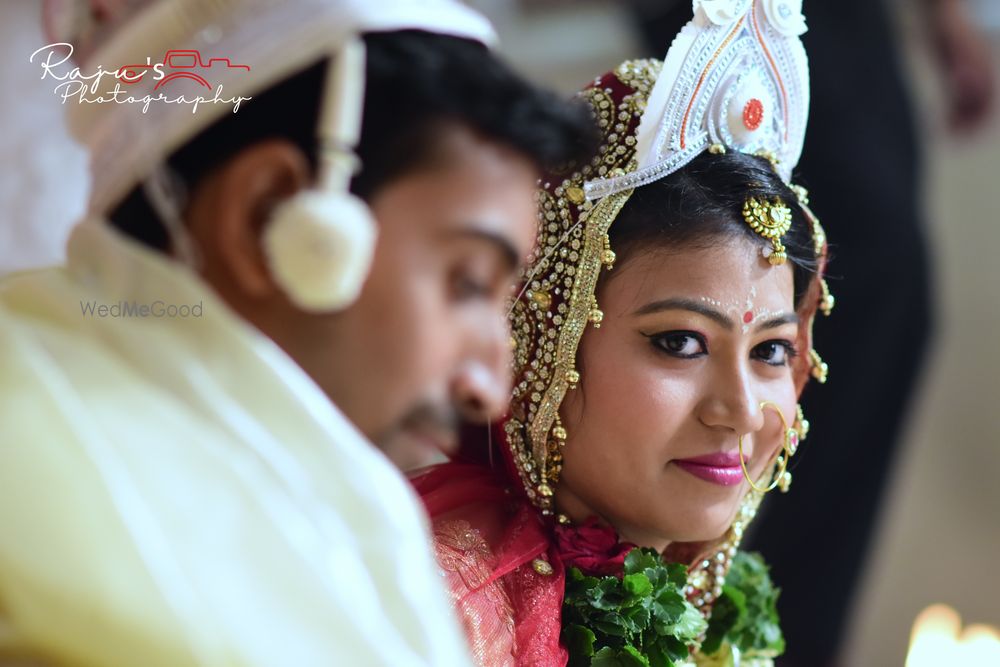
{"points": [[703, 202]]}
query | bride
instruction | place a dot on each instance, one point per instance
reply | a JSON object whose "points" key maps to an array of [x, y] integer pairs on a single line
{"points": [[662, 338]]}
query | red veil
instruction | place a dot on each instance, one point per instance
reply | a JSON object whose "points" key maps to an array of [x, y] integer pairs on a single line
{"points": [[498, 555]]}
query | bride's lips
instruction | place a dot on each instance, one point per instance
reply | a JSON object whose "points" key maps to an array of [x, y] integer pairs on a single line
{"points": [[722, 468]]}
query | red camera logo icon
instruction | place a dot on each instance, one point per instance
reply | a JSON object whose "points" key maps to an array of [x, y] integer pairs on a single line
{"points": [[176, 64]]}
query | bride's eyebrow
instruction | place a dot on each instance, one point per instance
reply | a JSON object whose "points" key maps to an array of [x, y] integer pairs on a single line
{"points": [[777, 321], [689, 305]]}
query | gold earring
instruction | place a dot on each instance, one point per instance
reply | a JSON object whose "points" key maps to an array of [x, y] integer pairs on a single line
{"points": [[801, 427], [820, 370], [793, 438], [790, 441]]}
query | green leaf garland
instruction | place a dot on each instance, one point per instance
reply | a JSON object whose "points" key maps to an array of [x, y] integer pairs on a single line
{"points": [[745, 615], [642, 619], [639, 620]]}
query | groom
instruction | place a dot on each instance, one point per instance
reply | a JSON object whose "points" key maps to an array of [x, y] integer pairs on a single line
{"points": [[185, 489]]}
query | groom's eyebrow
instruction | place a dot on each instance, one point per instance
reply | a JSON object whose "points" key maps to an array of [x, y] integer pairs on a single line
{"points": [[686, 304], [504, 247]]}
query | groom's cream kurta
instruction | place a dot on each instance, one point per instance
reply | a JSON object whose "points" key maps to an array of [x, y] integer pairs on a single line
{"points": [[176, 491]]}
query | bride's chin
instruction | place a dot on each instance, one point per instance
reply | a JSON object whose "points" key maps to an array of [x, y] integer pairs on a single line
{"points": [[708, 524], [693, 527]]}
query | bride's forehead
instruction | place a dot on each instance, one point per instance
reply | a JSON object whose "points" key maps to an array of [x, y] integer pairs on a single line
{"points": [[727, 272]]}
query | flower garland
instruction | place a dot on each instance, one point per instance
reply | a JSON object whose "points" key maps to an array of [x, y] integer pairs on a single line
{"points": [[624, 606]]}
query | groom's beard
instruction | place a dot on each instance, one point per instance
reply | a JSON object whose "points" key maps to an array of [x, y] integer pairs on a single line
{"points": [[427, 435]]}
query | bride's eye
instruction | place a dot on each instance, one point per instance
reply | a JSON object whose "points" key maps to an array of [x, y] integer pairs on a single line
{"points": [[774, 352], [680, 344]]}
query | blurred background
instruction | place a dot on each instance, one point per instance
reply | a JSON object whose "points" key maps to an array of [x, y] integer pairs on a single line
{"points": [[935, 526]]}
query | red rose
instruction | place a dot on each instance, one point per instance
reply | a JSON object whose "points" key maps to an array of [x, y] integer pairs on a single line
{"points": [[592, 547]]}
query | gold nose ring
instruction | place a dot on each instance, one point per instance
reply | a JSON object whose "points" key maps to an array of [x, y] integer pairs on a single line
{"points": [[788, 447]]}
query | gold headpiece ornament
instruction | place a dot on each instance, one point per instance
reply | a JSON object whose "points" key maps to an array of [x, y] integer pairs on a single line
{"points": [[561, 281], [772, 220]]}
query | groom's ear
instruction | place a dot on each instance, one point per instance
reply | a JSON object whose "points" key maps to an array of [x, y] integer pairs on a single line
{"points": [[232, 207]]}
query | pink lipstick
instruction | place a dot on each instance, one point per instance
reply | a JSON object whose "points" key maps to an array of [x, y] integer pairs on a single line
{"points": [[720, 468]]}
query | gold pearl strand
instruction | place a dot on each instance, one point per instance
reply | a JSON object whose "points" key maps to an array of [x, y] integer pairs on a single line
{"points": [[705, 579], [560, 283], [820, 371]]}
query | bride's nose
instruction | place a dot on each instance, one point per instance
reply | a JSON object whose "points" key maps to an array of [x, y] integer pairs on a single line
{"points": [[732, 402]]}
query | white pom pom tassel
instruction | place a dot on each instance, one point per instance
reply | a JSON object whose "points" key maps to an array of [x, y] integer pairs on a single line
{"points": [[320, 247]]}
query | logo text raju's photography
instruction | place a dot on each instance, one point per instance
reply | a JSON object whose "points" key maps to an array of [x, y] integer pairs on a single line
{"points": [[122, 309], [176, 65]]}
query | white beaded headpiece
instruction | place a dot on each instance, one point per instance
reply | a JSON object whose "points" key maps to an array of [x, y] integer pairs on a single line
{"points": [[736, 75]]}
